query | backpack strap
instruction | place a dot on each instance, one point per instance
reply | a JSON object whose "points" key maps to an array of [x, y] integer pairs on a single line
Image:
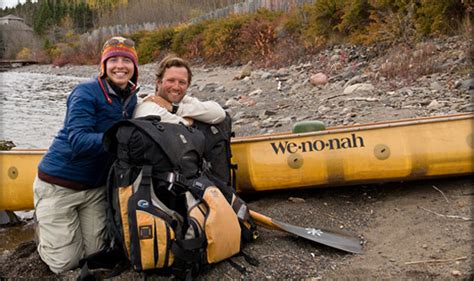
{"points": [[251, 260], [189, 257], [160, 133], [109, 258], [141, 201]]}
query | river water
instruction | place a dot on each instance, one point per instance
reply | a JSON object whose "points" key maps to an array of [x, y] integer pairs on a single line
{"points": [[33, 107]]}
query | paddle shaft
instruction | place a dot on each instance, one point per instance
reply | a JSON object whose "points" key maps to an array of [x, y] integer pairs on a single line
{"points": [[265, 221]]}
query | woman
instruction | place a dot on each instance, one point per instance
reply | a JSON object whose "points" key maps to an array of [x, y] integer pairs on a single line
{"points": [[69, 190]]}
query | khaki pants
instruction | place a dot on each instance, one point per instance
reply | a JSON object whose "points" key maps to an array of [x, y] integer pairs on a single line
{"points": [[71, 223]]}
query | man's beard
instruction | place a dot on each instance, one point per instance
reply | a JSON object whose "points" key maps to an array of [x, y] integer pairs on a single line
{"points": [[161, 93]]}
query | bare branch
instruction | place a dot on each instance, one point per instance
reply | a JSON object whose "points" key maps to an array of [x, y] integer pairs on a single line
{"points": [[445, 198], [447, 216]]}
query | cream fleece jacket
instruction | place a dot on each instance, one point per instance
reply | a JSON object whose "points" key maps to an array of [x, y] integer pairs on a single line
{"points": [[205, 111]]}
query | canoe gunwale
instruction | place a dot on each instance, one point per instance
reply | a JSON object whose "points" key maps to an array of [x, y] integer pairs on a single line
{"points": [[357, 128], [331, 130], [24, 151]]}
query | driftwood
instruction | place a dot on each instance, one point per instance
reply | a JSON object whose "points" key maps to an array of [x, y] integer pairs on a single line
{"points": [[436, 261]]}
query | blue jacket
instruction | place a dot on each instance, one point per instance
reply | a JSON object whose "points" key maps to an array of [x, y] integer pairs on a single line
{"points": [[76, 153]]}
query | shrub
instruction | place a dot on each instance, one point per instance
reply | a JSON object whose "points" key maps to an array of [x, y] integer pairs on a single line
{"points": [[61, 54], [315, 24], [286, 50], [138, 36], [410, 63], [325, 16], [220, 39], [153, 43], [42, 57], [89, 53], [187, 39], [24, 54], [258, 36], [439, 17], [296, 20], [355, 17], [391, 22]]}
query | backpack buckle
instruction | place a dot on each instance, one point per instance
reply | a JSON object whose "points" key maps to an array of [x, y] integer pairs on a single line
{"points": [[177, 183]]}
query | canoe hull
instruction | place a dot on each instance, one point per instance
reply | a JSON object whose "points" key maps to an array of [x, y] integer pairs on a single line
{"points": [[401, 150], [18, 168], [398, 150]]}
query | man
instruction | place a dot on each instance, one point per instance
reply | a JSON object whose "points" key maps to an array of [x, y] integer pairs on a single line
{"points": [[170, 101], [69, 190]]}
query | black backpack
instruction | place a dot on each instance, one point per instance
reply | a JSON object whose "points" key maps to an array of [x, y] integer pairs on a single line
{"points": [[217, 150], [168, 213]]}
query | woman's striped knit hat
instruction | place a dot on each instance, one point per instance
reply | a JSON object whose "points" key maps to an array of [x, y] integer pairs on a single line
{"points": [[119, 47]]}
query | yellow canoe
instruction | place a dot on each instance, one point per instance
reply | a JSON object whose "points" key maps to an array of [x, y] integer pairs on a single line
{"points": [[387, 151]]}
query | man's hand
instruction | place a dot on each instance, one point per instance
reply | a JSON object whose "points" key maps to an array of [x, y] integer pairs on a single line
{"points": [[167, 105], [161, 102], [189, 120]]}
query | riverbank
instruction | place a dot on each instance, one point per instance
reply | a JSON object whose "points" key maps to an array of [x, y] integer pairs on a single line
{"points": [[342, 85], [412, 231]]}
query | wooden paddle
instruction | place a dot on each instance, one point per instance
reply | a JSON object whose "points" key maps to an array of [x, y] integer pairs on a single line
{"points": [[333, 238]]}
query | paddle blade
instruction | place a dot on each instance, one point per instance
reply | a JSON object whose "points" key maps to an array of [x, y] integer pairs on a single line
{"points": [[336, 239]]}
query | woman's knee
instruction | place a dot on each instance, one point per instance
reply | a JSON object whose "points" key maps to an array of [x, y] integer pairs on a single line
{"points": [[61, 259]]}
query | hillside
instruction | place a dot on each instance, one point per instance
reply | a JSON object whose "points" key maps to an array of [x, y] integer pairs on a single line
{"points": [[274, 36]]}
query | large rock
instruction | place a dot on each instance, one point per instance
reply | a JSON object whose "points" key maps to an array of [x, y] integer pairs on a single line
{"points": [[434, 105], [356, 79], [232, 102], [246, 71], [465, 85], [318, 79], [208, 87], [359, 88], [266, 75], [436, 86], [256, 92], [8, 217], [6, 145]]}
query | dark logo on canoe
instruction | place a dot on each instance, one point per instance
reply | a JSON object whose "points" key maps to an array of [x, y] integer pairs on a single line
{"points": [[352, 141]]}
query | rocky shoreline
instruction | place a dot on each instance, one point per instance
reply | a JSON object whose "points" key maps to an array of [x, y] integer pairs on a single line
{"points": [[343, 85]]}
